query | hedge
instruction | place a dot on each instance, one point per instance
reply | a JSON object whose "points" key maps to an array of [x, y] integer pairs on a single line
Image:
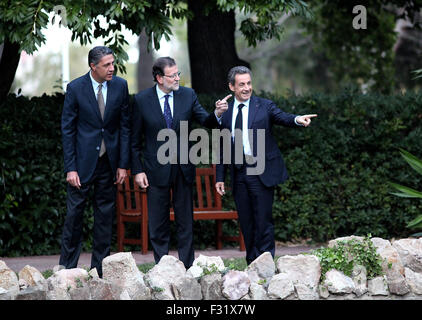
{"points": [[339, 171]]}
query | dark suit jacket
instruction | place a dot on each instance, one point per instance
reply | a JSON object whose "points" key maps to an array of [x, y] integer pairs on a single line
{"points": [[263, 114], [148, 120], [83, 128]]}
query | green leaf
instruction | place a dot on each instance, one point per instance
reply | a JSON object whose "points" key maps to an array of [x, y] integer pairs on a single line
{"points": [[414, 162], [415, 223], [406, 191]]}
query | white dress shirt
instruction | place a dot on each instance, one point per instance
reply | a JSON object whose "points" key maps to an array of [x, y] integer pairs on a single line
{"points": [[161, 98], [245, 117], [95, 86]]}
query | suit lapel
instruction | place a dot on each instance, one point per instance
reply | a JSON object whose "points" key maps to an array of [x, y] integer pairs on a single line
{"points": [[176, 109], [156, 107], [109, 97], [89, 92], [228, 117], [253, 108]]}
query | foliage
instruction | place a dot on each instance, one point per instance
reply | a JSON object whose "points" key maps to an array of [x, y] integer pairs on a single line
{"points": [[23, 21], [338, 170], [238, 264], [406, 192], [32, 187], [261, 19], [362, 56], [145, 267], [344, 255]]}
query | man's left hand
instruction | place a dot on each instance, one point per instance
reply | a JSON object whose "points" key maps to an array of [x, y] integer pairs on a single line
{"points": [[221, 106], [305, 120], [120, 176]]}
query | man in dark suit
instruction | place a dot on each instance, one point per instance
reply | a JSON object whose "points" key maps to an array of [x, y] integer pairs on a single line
{"points": [[253, 188], [164, 106], [96, 146]]}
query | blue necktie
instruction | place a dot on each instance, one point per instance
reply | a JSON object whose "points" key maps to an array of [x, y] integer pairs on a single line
{"points": [[167, 111]]}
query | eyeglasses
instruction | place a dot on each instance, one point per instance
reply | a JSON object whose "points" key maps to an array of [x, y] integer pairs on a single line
{"points": [[172, 76]]}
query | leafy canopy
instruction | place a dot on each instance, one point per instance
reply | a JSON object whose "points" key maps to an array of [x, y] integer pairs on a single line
{"points": [[22, 21]]}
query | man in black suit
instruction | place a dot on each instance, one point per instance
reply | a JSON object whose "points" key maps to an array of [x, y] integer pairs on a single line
{"points": [[164, 106], [253, 185], [96, 146]]}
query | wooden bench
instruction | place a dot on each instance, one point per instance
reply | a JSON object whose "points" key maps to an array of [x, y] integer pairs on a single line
{"points": [[132, 207]]}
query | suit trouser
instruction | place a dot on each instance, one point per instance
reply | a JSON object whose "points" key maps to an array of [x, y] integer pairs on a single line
{"points": [[254, 203], [104, 210], [159, 217]]}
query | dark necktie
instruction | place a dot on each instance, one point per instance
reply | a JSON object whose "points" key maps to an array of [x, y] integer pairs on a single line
{"points": [[167, 111], [101, 106], [239, 125]]}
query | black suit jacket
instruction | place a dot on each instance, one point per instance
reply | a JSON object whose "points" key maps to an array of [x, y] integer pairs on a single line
{"points": [[263, 114], [83, 129], [148, 120]]}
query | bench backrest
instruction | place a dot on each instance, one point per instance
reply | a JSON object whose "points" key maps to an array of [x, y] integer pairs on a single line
{"points": [[131, 198], [205, 196]]}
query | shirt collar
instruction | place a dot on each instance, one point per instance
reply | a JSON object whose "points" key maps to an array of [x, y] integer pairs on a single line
{"points": [[161, 94], [95, 83], [236, 103]]}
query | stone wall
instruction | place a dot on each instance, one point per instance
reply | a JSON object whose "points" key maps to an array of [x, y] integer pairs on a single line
{"points": [[289, 277]]}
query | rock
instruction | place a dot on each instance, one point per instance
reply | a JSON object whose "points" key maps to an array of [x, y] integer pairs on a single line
{"points": [[211, 287], [378, 286], [410, 251], [323, 291], [93, 273], [263, 265], [414, 280], [280, 287], [8, 280], [62, 282], [359, 279], [235, 285], [32, 293], [187, 289], [195, 271], [257, 292], [392, 266], [211, 264], [304, 271], [337, 282], [81, 292], [33, 277], [333, 243], [4, 294], [58, 268], [169, 280], [120, 269], [100, 289], [23, 284]]}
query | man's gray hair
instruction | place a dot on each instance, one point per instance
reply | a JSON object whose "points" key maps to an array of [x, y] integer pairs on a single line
{"points": [[237, 70], [96, 54]]}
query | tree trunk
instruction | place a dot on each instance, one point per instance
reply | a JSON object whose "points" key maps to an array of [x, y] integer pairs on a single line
{"points": [[211, 46], [9, 62], [145, 62]]}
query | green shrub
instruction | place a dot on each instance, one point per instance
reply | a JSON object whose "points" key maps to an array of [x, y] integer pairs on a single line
{"points": [[339, 170], [344, 255], [406, 192]]}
